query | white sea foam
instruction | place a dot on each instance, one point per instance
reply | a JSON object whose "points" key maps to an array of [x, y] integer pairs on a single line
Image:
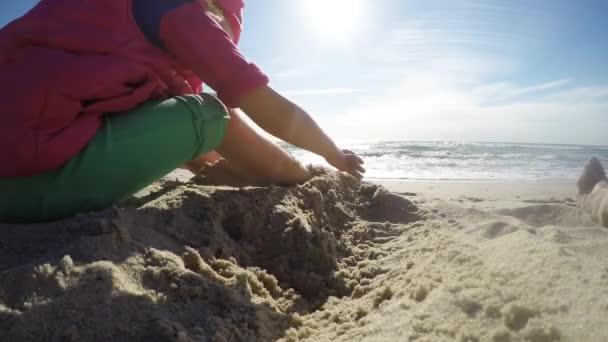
{"points": [[470, 160]]}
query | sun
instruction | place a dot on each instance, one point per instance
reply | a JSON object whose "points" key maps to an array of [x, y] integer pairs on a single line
{"points": [[335, 19]]}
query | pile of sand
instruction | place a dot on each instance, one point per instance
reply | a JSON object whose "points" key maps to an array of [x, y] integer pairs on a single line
{"points": [[331, 260], [196, 262]]}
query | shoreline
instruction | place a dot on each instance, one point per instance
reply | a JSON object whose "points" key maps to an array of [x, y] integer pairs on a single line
{"points": [[482, 194], [486, 195], [488, 181]]}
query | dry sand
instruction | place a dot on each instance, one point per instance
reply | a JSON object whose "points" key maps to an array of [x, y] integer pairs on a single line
{"points": [[331, 260]]}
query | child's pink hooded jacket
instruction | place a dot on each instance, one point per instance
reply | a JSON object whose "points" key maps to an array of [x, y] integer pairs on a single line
{"points": [[68, 62]]}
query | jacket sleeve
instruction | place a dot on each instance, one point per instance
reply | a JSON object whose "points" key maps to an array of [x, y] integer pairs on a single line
{"points": [[195, 39]]}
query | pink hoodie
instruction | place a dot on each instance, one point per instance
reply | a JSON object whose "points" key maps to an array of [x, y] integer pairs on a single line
{"points": [[66, 63]]}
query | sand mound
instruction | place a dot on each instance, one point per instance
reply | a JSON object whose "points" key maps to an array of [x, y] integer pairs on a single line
{"points": [[198, 263], [331, 260]]}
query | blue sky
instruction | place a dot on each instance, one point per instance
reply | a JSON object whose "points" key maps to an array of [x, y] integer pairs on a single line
{"points": [[521, 71]]}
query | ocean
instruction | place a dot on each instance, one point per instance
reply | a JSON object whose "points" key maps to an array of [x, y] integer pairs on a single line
{"points": [[469, 161]]}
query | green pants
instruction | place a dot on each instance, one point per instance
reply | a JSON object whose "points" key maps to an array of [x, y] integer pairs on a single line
{"points": [[130, 151]]}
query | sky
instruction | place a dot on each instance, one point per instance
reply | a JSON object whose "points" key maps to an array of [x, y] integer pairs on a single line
{"points": [[434, 70]]}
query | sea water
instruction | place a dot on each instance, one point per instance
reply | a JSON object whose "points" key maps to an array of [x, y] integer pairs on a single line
{"points": [[410, 160]]}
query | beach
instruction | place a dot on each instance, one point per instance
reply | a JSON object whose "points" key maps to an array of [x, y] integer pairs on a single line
{"points": [[316, 171], [331, 260]]}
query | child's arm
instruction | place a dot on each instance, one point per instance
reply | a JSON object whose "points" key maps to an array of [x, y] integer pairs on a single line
{"points": [[285, 120], [198, 42]]}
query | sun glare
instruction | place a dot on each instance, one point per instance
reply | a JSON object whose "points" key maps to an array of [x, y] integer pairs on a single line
{"points": [[335, 19]]}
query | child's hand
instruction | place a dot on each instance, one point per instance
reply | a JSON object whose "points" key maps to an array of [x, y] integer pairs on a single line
{"points": [[347, 161], [290, 123]]}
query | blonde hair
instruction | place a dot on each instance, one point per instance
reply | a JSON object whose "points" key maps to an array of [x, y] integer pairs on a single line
{"points": [[215, 10], [217, 13]]}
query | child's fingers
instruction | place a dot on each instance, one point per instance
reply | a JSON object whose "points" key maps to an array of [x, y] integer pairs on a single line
{"points": [[357, 175], [360, 161], [356, 167], [354, 170], [355, 163], [351, 153], [349, 163], [360, 169]]}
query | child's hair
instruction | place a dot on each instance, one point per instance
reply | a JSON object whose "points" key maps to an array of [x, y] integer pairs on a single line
{"points": [[215, 10], [228, 14]]}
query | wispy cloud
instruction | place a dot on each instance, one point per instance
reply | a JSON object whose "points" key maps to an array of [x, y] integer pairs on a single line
{"points": [[578, 94], [453, 71], [322, 91], [428, 106], [497, 92], [290, 73], [455, 79], [435, 103]]}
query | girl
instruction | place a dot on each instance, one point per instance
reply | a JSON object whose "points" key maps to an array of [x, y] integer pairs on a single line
{"points": [[102, 97]]}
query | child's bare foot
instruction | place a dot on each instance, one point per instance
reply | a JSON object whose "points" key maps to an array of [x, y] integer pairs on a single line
{"points": [[202, 161], [222, 173], [593, 172], [294, 172]]}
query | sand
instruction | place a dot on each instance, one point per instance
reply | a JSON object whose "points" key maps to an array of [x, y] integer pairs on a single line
{"points": [[331, 260]]}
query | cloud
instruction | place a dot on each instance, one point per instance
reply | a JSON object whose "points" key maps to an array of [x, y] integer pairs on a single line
{"points": [[506, 91], [427, 105], [321, 91], [290, 73], [449, 81], [584, 94], [450, 71]]}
